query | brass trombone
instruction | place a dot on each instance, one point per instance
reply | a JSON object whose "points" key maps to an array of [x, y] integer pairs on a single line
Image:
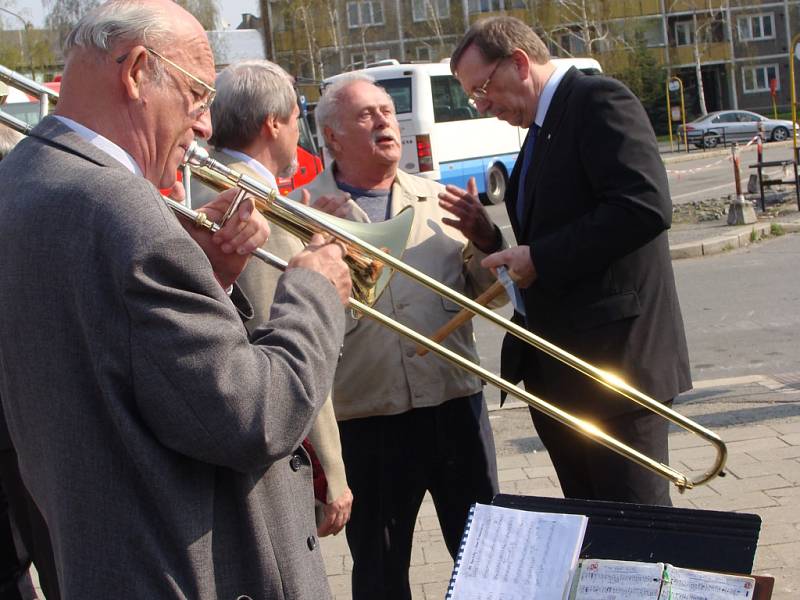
{"points": [[372, 266], [209, 169]]}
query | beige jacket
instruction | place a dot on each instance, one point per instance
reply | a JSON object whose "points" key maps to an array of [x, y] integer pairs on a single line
{"points": [[258, 281], [379, 372]]}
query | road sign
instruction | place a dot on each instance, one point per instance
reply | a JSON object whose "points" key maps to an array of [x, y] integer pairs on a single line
{"points": [[676, 113], [674, 86]]}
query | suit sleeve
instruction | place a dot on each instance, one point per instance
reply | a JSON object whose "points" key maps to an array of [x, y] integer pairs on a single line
{"points": [[630, 204], [201, 387]]}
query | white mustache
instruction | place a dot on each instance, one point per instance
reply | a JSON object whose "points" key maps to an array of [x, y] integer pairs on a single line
{"points": [[384, 134]]}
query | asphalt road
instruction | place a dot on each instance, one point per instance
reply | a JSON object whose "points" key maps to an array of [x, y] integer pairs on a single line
{"points": [[702, 176]]}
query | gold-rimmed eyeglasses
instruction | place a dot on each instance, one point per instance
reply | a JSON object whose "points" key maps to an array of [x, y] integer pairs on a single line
{"points": [[209, 92], [481, 92]]}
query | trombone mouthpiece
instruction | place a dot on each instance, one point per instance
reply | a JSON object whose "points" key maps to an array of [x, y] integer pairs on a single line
{"points": [[196, 156]]}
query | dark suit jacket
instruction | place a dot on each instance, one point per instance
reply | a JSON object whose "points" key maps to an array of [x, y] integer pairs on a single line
{"points": [[157, 441], [597, 208]]}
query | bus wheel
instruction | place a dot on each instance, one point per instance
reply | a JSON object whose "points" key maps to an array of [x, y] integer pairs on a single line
{"points": [[496, 186]]}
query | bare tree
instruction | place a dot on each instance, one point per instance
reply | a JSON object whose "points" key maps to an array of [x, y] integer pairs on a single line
{"points": [[63, 15], [583, 24], [205, 11]]}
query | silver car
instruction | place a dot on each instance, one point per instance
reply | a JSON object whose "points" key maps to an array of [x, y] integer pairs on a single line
{"points": [[733, 126]]}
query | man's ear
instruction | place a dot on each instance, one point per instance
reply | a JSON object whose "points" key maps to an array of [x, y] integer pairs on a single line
{"points": [[132, 72], [522, 63], [331, 142], [270, 127]]}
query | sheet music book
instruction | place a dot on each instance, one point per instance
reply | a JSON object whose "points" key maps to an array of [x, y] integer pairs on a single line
{"points": [[623, 580], [514, 554]]}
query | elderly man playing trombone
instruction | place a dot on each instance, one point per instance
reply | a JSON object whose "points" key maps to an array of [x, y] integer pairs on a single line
{"points": [[160, 444], [408, 424]]}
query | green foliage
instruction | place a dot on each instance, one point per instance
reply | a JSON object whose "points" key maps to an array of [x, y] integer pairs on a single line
{"points": [[647, 80], [776, 229], [754, 235]]}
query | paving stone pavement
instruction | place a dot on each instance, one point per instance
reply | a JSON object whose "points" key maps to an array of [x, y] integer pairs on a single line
{"points": [[763, 478]]}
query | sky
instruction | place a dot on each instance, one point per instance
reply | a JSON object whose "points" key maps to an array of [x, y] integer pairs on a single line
{"points": [[31, 10]]}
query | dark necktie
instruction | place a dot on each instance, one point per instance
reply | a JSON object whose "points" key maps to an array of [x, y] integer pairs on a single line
{"points": [[523, 174]]}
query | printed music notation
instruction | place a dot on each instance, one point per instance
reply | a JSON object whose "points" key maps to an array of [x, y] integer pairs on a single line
{"points": [[510, 554]]}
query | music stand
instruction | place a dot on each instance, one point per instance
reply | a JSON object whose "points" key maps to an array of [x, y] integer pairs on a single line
{"points": [[696, 539]]}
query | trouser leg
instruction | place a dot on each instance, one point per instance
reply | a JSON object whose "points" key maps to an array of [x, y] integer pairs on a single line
{"points": [[465, 467], [387, 478], [590, 471]]}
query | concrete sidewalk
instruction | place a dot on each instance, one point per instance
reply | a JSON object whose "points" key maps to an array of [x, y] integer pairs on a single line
{"points": [[712, 237], [763, 477]]}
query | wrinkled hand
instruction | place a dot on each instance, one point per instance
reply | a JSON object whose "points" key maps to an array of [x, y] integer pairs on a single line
{"points": [[333, 205], [229, 249], [473, 220], [336, 514], [326, 259], [518, 260]]}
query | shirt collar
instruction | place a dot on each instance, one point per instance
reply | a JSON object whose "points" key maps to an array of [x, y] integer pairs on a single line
{"points": [[104, 144], [548, 92], [254, 165]]}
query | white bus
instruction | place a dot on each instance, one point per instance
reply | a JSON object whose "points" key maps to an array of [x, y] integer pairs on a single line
{"points": [[444, 138]]}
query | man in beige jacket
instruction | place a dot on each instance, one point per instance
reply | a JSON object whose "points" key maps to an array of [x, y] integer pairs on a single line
{"points": [[255, 131], [408, 424]]}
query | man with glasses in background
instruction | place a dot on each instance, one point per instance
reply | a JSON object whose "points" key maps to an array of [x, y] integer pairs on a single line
{"points": [[589, 204], [161, 445]]}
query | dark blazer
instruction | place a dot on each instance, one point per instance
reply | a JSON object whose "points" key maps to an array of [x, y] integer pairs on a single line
{"points": [[159, 444], [597, 208]]}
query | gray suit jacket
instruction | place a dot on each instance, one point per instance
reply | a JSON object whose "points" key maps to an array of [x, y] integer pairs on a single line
{"points": [[160, 445]]}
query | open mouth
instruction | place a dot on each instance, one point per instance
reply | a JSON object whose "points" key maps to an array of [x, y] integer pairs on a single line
{"points": [[385, 139]]}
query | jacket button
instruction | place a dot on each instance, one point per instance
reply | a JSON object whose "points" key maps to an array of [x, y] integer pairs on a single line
{"points": [[312, 542], [295, 462]]}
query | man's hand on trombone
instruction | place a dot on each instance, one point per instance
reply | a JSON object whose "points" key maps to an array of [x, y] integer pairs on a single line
{"points": [[229, 249], [326, 258]]}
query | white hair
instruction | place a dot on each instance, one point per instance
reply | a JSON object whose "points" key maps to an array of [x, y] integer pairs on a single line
{"points": [[327, 111], [119, 22], [247, 93]]}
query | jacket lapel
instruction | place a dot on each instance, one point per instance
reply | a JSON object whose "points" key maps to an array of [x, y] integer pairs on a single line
{"points": [[549, 129]]}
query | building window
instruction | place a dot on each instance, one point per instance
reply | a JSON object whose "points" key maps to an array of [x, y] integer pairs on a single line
{"points": [[363, 14], [684, 33], [424, 53], [756, 79], [359, 60], [755, 27], [482, 6], [423, 9]]}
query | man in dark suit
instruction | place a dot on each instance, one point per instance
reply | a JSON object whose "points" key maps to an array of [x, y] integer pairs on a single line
{"points": [[160, 444], [589, 204]]}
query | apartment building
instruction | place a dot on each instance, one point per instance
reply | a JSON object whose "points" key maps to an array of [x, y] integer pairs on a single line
{"points": [[742, 46]]}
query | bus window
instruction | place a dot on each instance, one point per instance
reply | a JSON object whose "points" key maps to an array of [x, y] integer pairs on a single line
{"points": [[400, 91], [450, 103]]}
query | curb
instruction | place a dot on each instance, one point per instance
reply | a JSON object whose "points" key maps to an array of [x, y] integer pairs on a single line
{"points": [[723, 243]]}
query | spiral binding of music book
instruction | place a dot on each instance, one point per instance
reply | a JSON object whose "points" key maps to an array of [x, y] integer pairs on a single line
{"points": [[460, 555]]}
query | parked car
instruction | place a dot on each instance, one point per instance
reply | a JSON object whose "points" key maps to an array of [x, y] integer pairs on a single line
{"points": [[733, 126]]}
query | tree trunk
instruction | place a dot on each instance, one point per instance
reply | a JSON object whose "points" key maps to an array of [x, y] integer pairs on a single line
{"points": [[701, 95]]}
